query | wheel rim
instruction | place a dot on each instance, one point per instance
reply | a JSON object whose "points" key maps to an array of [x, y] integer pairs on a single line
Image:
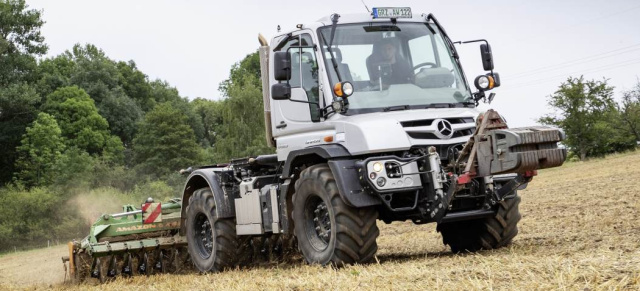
{"points": [[318, 223], [203, 236]]}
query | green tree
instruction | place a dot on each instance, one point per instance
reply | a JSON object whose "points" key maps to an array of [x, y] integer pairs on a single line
{"points": [[163, 92], [95, 73], [630, 110], [18, 108], [118, 89], [41, 147], [78, 118], [585, 110], [20, 42], [244, 72], [27, 216], [122, 113], [55, 72], [136, 85], [242, 130], [210, 113], [165, 142]]}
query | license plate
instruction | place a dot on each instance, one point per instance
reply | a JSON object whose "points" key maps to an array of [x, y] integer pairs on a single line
{"points": [[392, 12]]}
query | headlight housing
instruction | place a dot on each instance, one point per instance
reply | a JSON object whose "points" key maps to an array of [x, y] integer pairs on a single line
{"points": [[389, 174]]}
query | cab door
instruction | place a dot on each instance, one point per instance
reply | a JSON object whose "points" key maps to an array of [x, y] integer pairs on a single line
{"points": [[290, 116]]}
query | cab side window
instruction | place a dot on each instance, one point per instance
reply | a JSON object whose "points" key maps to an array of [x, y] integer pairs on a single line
{"points": [[304, 70]]}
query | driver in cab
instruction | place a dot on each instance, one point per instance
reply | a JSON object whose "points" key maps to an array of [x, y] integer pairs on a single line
{"points": [[387, 65]]}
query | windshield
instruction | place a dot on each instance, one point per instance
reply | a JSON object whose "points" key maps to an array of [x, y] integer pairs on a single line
{"points": [[402, 64]]}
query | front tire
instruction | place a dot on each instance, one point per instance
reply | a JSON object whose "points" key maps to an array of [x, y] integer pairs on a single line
{"points": [[327, 229], [212, 241], [484, 234]]}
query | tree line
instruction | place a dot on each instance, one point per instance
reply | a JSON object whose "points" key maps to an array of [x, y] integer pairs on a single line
{"points": [[595, 124], [81, 120]]}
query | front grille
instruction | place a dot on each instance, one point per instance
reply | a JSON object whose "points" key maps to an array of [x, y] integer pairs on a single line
{"points": [[422, 135], [428, 122], [463, 132], [426, 129]]}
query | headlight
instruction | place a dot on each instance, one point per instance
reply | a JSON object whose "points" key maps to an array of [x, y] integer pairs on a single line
{"points": [[482, 82], [347, 88], [391, 173]]}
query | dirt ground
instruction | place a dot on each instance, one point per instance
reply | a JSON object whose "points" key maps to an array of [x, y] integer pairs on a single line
{"points": [[579, 231], [41, 267]]}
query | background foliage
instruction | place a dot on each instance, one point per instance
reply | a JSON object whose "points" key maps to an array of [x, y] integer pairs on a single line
{"points": [[80, 123]]}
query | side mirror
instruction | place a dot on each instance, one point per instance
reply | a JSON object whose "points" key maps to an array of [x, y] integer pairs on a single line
{"points": [[282, 66], [487, 57], [281, 91]]}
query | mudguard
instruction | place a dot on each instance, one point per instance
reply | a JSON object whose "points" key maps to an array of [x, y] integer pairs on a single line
{"points": [[343, 170], [346, 174], [207, 177], [324, 152]]}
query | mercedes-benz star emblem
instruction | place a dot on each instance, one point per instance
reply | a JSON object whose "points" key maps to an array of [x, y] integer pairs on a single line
{"points": [[444, 130]]}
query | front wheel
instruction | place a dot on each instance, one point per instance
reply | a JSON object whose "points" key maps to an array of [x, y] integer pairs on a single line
{"points": [[328, 230], [488, 233]]}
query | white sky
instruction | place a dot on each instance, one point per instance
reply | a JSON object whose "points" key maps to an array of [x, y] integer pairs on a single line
{"points": [[193, 44]]}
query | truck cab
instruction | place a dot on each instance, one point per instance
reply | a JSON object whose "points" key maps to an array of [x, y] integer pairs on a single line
{"points": [[408, 88]]}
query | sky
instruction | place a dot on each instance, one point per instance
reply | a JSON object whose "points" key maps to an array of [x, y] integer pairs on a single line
{"points": [[192, 44]]}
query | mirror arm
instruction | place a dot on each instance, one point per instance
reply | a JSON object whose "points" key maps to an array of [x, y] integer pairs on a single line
{"points": [[475, 40], [320, 110]]}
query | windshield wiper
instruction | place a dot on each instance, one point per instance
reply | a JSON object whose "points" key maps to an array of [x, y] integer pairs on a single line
{"points": [[432, 105], [448, 105], [396, 108]]}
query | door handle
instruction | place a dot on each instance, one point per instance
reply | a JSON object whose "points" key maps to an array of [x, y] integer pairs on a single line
{"points": [[281, 125]]}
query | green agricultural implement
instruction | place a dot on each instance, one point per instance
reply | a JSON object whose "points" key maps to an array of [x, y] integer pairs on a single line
{"points": [[137, 240]]}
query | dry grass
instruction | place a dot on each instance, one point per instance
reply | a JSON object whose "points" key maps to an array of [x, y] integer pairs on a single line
{"points": [[580, 231], [41, 267]]}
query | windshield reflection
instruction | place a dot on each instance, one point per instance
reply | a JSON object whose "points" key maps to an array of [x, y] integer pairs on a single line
{"points": [[394, 65]]}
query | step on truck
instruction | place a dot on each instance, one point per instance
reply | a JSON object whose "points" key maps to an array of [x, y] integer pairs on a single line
{"points": [[371, 118]]}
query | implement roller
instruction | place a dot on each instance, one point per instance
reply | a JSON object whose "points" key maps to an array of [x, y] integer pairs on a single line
{"points": [[135, 241]]}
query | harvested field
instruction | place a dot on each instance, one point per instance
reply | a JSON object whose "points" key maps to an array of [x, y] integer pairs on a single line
{"points": [[579, 231]]}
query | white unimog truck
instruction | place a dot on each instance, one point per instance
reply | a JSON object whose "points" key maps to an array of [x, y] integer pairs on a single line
{"points": [[372, 118]]}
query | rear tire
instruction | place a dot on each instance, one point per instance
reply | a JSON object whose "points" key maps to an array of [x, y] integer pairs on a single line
{"points": [[212, 242], [484, 234], [328, 230]]}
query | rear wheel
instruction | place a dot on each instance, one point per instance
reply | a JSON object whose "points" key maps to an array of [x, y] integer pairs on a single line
{"points": [[213, 243], [328, 230], [488, 233]]}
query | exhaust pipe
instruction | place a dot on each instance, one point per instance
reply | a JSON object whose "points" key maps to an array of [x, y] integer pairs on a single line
{"points": [[266, 98]]}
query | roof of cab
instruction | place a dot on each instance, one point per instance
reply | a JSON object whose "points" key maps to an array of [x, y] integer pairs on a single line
{"points": [[354, 18]]}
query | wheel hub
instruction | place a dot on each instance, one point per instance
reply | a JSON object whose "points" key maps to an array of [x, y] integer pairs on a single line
{"points": [[322, 222], [203, 235], [318, 223]]}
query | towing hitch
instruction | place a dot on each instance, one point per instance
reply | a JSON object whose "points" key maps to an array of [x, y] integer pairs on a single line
{"points": [[495, 149]]}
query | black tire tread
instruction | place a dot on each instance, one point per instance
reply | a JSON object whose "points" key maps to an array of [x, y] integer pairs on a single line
{"points": [[227, 244], [484, 234], [356, 228]]}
